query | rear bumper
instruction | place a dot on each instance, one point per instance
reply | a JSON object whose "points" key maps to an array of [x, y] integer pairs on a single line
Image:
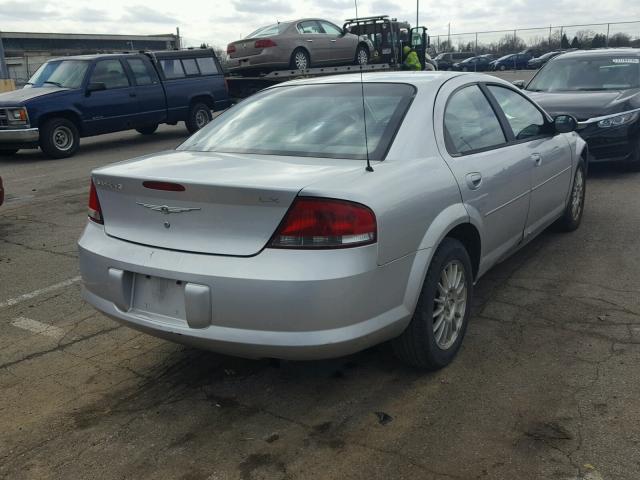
{"points": [[280, 303], [25, 137], [268, 58]]}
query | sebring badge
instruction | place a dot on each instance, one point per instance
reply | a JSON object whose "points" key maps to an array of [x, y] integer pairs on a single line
{"points": [[166, 209]]}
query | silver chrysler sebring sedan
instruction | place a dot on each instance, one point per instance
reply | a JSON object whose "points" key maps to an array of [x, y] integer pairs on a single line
{"points": [[267, 233]]}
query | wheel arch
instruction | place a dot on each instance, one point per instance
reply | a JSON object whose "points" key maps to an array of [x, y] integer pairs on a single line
{"points": [[70, 115], [453, 222], [205, 98], [303, 48]]}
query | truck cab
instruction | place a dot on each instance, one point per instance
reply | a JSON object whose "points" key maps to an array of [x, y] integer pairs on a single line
{"points": [[73, 97]]}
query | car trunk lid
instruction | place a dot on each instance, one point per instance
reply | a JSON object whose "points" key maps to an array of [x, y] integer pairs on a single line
{"points": [[231, 204], [244, 48]]}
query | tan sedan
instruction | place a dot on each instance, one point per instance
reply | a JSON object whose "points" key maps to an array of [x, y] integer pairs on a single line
{"points": [[299, 45]]}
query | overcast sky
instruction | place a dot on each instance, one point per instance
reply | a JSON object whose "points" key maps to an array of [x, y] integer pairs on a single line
{"points": [[220, 21]]}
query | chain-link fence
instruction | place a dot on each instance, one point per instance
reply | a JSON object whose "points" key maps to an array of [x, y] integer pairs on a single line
{"points": [[541, 40]]}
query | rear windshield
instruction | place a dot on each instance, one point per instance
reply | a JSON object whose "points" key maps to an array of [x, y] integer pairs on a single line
{"points": [[269, 30], [591, 74], [310, 120]]}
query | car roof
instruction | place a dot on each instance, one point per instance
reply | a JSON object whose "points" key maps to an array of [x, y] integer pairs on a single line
{"points": [[603, 52], [418, 79]]}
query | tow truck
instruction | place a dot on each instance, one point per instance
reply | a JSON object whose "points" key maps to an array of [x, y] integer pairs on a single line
{"points": [[388, 36]]}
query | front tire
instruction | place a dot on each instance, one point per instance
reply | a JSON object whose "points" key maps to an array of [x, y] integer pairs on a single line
{"points": [[572, 215], [633, 165], [434, 335], [362, 56], [59, 138], [199, 116]]}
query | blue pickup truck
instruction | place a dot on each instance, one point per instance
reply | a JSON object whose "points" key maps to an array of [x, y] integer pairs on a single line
{"points": [[81, 96]]}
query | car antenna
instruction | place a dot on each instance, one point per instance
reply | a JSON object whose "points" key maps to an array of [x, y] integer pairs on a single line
{"points": [[364, 110]]}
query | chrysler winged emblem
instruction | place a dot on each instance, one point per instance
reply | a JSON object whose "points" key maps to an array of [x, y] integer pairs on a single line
{"points": [[167, 209]]}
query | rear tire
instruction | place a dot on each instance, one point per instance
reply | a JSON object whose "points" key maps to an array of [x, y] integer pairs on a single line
{"points": [[59, 138], [434, 335], [8, 152], [572, 215], [147, 130], [300, 59], [199, 116]]}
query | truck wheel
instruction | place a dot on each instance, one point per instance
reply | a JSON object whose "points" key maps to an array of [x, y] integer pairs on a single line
{"points": [[362, 56], [300, 60], [435, 333], [148, 129], [199, 116], [59, 138], [8, 152]]}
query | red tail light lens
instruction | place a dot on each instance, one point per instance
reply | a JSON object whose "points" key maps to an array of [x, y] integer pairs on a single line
{"points": [[231, 49], [265, 43], [95, 212], [325, 223]]}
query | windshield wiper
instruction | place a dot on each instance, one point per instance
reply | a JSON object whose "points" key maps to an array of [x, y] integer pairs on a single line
{"points": [[57, 84]]}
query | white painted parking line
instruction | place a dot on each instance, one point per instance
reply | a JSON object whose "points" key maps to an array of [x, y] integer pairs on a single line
{"points": [[28, 296], [38, 327]]}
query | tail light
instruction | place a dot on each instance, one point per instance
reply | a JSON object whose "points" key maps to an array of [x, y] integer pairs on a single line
{"points": [[265, 43], [231, 49], [325, 223], [95, 212]]}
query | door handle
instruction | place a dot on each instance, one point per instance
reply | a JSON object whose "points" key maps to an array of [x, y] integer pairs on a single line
{"points": [[474, 180], [537, 159], [132, 94], [309, 40], [333, 41]]}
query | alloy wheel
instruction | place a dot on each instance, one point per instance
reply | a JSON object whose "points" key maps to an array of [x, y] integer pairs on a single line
{"points": [[301, 61], [577, 195], [363, 58], [449, 304]]}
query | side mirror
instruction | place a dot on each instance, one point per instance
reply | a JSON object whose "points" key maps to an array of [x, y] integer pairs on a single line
{"points": [[95, 87], [565, 124], [519, 83]]}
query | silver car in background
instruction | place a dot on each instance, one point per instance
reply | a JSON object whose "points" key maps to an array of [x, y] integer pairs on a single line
{"points": [[264, 235], [298, 44]]}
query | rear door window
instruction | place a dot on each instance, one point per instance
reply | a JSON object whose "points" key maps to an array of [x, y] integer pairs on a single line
{"points": [[310, 26], [142, 73], [470, 122], [111, 73], [207, 66], [172, 68], [330, 28]]}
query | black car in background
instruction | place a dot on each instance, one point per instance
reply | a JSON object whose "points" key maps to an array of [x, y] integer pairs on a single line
{"points": [[445, 60], [473, 64], [538, 62], [514, 61], [601, 89]]}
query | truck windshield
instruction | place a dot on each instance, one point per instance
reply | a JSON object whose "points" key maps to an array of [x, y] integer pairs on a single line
{"points": [[595, 73], [310, 121], [60, 73]]}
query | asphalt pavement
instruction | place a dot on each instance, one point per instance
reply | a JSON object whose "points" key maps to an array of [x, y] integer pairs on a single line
{"points": [[546, 385]]}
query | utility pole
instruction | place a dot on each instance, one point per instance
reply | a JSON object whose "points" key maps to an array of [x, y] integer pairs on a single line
{"points": [[449, 36], [417, 12], [178, 42]]}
